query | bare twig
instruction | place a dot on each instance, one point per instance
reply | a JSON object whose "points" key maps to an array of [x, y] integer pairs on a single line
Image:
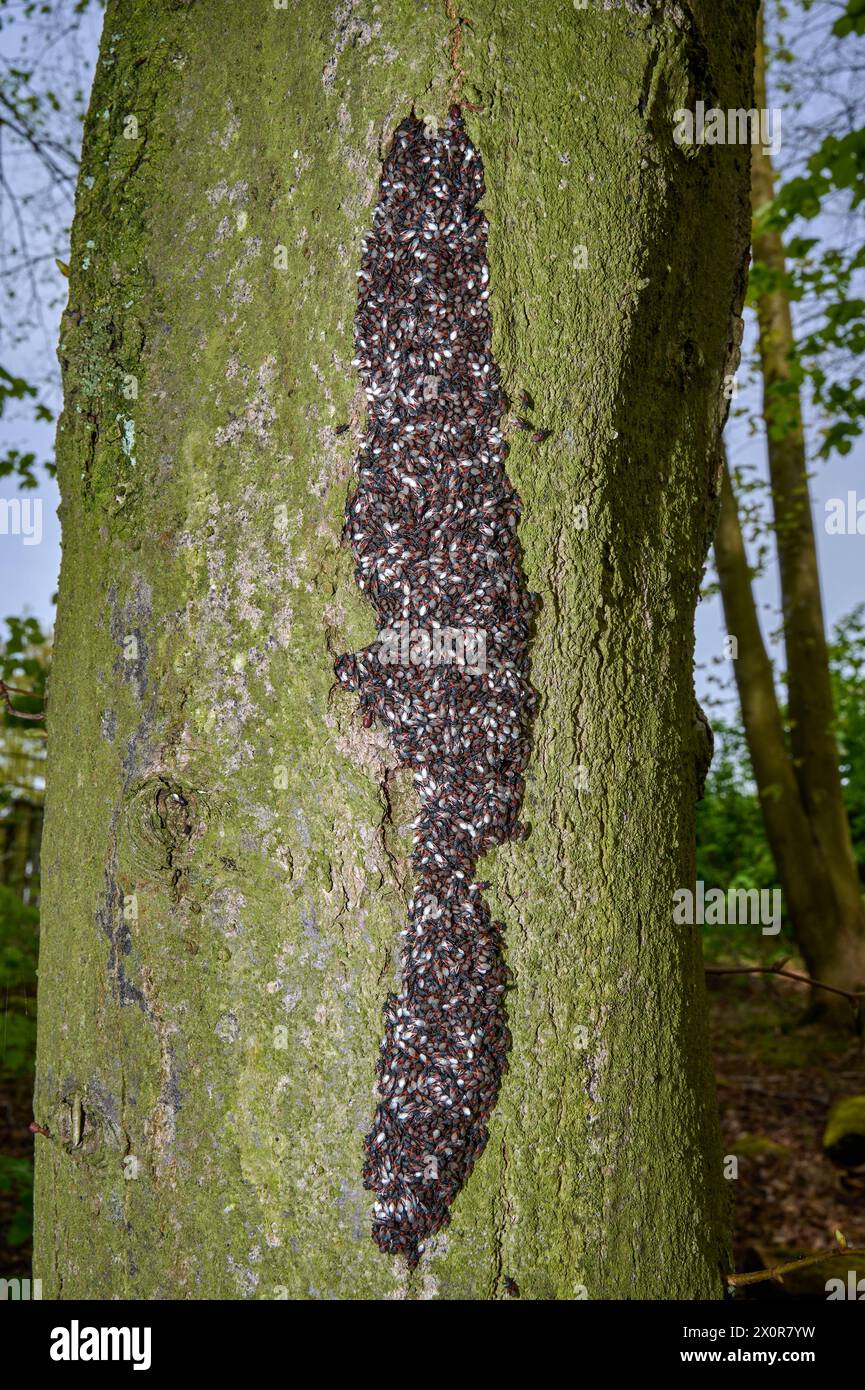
{"points": [[25, 265], [855, 996], [6, 188], [7, 690], [42, 146], [737, 1281]]}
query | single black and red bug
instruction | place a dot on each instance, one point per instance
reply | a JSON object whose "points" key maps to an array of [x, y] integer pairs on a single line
{"points": [[526, 401], [522, 424], [540, 435], [341, 429]]}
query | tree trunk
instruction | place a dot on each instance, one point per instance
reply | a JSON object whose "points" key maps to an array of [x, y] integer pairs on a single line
{"points": [[828, 917], [19, 848], [225, 859], [804, 879]]}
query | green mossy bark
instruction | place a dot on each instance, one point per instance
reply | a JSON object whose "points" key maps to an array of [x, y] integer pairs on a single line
{"points": [[225, 851]]}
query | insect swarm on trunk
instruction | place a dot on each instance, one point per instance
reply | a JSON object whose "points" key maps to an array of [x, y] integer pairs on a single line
{"points": [[432, 526]]}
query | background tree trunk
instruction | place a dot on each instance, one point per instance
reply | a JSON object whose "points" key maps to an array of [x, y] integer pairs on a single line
{"points": [[813, 839], [225, 855], [803, 876]]}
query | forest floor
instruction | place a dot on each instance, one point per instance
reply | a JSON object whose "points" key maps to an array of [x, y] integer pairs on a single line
{"points": [[776, 1082]]}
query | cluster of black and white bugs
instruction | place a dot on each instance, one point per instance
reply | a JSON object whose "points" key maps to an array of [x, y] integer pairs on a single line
{"points": [[433, 530]]}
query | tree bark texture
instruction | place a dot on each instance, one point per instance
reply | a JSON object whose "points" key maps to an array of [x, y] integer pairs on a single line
{"points": [[225, 858]]}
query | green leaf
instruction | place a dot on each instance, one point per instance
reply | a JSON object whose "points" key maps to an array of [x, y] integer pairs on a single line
{"points": [[853, 22]]}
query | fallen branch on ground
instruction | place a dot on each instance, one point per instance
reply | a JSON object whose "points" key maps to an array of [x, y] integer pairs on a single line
{"points": [[778, 1271]]}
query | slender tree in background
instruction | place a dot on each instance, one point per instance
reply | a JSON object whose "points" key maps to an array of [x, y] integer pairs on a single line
{"points": [[224, 863], [24, 655], [24, 662], [799, 783]]}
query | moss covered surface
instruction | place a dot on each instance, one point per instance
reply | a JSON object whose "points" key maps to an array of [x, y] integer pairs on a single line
{"points": [[225, 852]]}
